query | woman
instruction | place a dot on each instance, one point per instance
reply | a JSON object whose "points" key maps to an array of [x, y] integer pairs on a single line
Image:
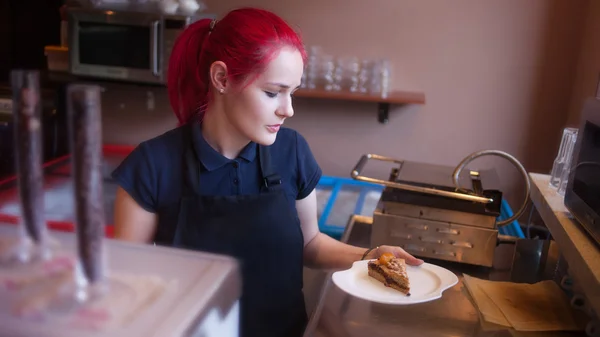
{"points": [[231, 179]]}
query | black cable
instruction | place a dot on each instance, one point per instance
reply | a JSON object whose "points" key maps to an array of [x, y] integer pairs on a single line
{"points": [[528, 228], [531, 226]]}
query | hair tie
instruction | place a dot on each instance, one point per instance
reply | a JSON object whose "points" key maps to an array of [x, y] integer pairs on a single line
{"points": [[212, 25]]}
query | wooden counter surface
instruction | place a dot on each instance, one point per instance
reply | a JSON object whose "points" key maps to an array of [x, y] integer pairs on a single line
{"points": [[579, 249]]}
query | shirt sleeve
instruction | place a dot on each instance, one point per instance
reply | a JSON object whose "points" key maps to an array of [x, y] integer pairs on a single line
{"points": [[137, 175], [309, 172]]}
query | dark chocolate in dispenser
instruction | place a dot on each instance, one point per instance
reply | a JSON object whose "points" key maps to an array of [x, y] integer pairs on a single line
{"points": [[86, 147], [28, 144]]}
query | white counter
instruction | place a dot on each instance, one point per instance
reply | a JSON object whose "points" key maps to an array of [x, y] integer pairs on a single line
{"points": [[202, 290]]}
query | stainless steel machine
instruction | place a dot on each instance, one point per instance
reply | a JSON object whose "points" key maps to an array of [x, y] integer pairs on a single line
{"points": [[425, 210]]}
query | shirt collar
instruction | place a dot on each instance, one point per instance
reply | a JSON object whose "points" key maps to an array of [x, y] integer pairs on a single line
{"points": [[210, 158]]}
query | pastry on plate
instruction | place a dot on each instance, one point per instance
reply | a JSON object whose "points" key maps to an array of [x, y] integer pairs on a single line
{"points": [[391, 271]]}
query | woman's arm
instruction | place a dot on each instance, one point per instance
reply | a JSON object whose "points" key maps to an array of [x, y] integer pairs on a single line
{"points": [[322, 251], [132, 222]]}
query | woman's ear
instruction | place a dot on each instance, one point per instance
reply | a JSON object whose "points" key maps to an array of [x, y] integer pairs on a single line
{"points": [[218, 76]]}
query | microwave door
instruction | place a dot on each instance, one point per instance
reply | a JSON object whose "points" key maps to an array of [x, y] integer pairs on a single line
{"points": [[113, 45]]}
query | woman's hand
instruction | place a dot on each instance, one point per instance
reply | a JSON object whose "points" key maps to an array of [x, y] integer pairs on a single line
{"points": [[398, 252]]}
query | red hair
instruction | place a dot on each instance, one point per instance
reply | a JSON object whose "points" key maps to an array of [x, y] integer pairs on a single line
{"points": [[246, 40]]}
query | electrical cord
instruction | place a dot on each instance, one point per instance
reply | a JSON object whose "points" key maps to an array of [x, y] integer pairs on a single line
{"points": [[531, 226], [528, 228], [512, 160]]}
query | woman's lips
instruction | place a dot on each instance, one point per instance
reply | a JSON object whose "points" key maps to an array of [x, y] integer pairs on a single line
{"points": [[273, 128]]}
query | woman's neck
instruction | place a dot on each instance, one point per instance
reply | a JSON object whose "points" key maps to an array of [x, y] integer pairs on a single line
{"points": [[221, 135]]}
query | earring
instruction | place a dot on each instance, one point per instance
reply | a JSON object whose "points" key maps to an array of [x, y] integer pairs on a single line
{"points": [[221, 90]]}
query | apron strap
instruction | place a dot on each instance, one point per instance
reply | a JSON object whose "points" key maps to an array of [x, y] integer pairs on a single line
{"points": [[270, 178], [191, 172]]}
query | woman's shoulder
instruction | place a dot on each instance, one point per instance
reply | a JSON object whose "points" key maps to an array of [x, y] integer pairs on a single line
{"points": [[150, 166], [288, 138], [292, 142], [292, 153], [158, 154], [165, 144], [285, 134]]}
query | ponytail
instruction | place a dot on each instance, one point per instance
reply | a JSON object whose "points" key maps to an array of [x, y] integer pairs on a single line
{"points": [[187, 81]]}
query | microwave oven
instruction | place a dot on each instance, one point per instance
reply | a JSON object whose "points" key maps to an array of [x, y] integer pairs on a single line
{"points": [[582, 195], [125, 43]]}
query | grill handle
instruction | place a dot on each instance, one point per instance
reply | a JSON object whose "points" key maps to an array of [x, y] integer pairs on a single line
{"points": [[356, 174]]}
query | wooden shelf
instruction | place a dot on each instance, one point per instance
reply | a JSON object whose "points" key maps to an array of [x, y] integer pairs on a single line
{"points": [[395, 97], [581, 253], [383, 103]]}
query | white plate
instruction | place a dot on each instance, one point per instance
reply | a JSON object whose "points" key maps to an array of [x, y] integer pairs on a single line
{"points": [[427, 282]]}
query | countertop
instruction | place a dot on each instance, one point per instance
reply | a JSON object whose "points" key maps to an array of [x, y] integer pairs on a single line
{"points": [[196, 291], [338, 314], [59, 203], [579, 249]]}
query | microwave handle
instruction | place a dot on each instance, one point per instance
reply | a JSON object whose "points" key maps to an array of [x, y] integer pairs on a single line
{"points": [[154, 47]]}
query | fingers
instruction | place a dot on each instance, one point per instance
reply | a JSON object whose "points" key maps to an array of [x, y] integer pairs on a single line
{"points": [[413, 261], [401, 253], [410, 260]]}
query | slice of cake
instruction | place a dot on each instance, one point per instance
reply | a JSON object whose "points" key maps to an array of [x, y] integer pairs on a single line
{"points": [[391, 271]]}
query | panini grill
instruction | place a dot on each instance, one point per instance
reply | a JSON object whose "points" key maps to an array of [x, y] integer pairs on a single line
{"points": [[424, 210]]}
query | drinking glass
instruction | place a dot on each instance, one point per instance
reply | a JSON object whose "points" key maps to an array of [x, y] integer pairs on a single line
{"points": [[563, 159], [76, 289], [31, 244]]}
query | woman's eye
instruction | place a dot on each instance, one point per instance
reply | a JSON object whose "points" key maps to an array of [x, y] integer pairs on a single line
{"points": [[271, 94]]}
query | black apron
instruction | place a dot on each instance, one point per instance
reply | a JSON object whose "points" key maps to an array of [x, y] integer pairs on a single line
{"points": [[262, 232]]}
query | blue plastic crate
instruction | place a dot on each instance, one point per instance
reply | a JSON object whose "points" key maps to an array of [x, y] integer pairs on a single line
{"points": [[333, 188], [336, 187], [513, 228]]}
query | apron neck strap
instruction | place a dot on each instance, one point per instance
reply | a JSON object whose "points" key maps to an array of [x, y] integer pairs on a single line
{"points": [[191, 172], [270, 178]]}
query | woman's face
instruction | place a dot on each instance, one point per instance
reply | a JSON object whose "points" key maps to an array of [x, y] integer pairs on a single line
{"points": [[259, 109]]}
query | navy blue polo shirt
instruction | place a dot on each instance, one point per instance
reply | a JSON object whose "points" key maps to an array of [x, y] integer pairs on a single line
{"points": [[153, 172]]}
